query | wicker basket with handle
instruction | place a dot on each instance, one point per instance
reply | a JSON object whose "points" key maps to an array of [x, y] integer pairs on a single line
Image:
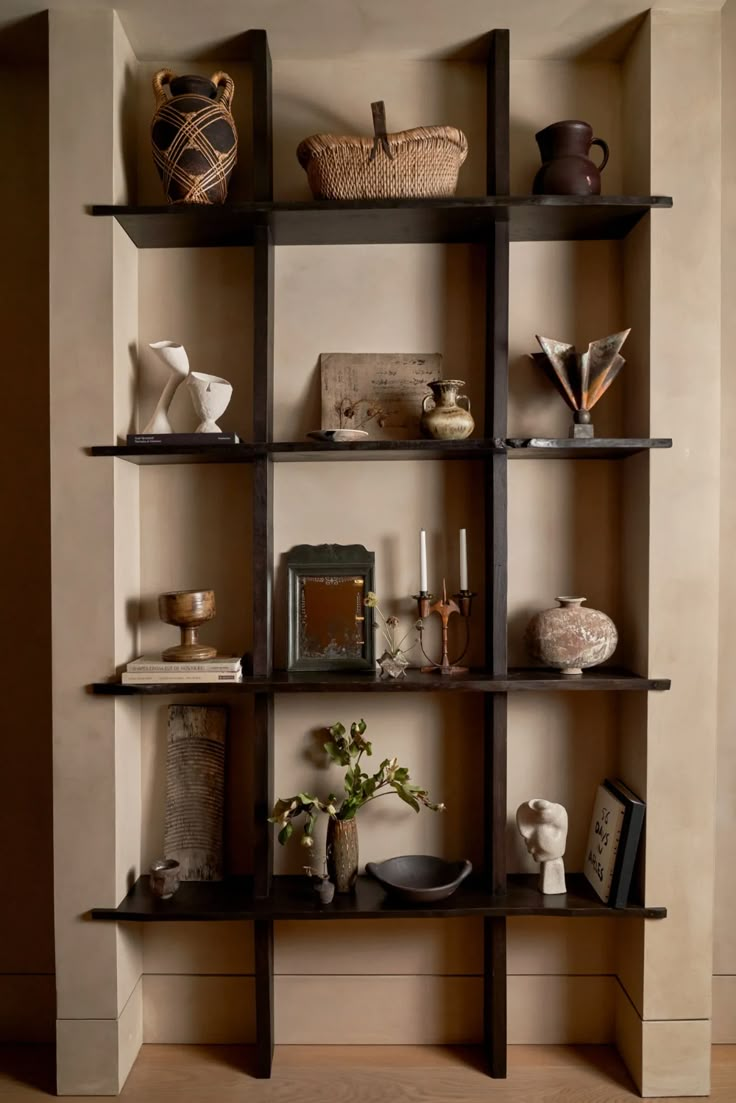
{"points": [[411, 164]]}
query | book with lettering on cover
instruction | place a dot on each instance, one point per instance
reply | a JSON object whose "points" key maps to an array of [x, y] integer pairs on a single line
{"points": [[183, 438], [221, 664], [613, 842]]}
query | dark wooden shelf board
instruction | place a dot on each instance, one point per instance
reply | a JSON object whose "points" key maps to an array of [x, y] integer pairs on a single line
{"points": [[293, 898], [195, 901], [607, 679], [386, 222], [178, 453], [602, 448], [385, 450], [323, 451]]}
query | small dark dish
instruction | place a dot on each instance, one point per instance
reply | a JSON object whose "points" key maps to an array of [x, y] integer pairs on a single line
{"points": [[419, 878]]}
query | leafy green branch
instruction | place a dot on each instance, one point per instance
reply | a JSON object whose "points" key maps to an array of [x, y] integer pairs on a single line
{"points": [[360, 787]]}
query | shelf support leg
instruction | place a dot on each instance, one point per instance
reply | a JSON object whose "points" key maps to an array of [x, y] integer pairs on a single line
{"points": [[494, 996], [263, 934], [263, 793]]}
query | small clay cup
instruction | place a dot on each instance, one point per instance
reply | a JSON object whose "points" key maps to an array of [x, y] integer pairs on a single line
{"points": [[164, 877], [187, 609]]}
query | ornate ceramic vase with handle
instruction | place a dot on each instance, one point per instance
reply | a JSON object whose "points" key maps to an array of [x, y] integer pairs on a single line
{"points": [[566, 167], [195, 143], [444, 417]]}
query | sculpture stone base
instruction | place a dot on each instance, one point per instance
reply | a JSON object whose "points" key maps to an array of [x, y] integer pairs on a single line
{"points": [[552, 877]]}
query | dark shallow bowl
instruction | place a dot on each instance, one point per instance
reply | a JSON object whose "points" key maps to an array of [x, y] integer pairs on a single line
{"points": [[419, 878]]}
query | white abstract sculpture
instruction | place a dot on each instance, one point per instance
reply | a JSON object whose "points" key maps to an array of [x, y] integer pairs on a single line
{"points": [[543, 826], [176, 360], [210, 396]]}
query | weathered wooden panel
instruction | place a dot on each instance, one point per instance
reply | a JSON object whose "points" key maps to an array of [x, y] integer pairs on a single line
{"points": [[195, 782], [379, 392]]}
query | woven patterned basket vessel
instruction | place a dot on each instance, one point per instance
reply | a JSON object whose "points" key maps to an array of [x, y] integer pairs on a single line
{"points": [[410, 164]]}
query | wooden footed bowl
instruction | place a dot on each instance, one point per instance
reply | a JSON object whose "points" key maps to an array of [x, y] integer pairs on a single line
{"points": [[187, 609]]}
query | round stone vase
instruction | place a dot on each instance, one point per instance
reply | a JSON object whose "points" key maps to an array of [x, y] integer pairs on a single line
{"points": [[193, 135], [444, 416], [570, 638], [342, 854]]}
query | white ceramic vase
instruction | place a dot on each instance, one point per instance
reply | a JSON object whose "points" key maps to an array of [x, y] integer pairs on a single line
{"points": [[210, 397], [175, 358]]}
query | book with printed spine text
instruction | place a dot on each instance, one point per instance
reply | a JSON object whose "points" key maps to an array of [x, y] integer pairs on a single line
{"points": [[182, 438], [196, 678], [221, 664]]}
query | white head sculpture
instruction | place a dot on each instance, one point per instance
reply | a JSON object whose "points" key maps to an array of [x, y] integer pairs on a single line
{"points": [[543, 826]]}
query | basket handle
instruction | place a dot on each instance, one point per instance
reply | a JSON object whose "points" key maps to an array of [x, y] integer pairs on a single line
{"points": [[378, 110]]}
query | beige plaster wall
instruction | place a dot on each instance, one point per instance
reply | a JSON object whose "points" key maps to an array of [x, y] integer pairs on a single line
{"points": [[674, 262], [195, 531], [724, 951], [26, 927], [164, 528], [95, 555]]}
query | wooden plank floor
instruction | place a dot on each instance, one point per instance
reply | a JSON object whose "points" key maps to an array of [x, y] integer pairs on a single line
{"points": [[359, 1074]]}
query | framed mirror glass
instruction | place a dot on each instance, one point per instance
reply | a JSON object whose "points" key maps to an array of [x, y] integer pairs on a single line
{"points": [[329, 626]]}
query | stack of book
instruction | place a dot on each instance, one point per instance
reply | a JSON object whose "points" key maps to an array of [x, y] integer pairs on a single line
{"points": [[147, 671]]}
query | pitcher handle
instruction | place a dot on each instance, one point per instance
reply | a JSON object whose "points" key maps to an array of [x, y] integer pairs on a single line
{"points": [[222, 80], [604, 147], [428, 398], [463, 398], [161, 81]]}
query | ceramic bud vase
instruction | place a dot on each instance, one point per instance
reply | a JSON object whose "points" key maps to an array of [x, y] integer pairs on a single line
{"points": [[570, 638], [342, 853], [193, 135], [210, 397], [176, 360], [444, 417]]}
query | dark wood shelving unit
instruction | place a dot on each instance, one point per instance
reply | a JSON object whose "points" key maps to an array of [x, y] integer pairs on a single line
{"points": [[562, 448], [490, 222], [325, 452], [387, 221], [599, 679], [298, 451], [178, 453], [293, 898]]}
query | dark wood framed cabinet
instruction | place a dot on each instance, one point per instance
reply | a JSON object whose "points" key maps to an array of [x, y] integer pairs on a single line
{"points": [[491, 222]]}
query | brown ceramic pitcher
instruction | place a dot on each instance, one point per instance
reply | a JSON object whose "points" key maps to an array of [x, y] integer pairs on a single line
{"points": [[566, 167]]}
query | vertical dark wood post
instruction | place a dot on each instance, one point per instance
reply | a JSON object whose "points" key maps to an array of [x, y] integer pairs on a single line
{"points": [[498, 118], [494, 996], [496, 476], [261, 123], [262, 792], [263, 322], [264, 997], [262, 552]]}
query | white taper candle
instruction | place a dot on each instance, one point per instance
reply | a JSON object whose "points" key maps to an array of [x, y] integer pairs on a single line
{"points": [[423, 561], [463, 559]]}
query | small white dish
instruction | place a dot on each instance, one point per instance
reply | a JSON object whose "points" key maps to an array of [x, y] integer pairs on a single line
{"points": [[338, 436]]}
